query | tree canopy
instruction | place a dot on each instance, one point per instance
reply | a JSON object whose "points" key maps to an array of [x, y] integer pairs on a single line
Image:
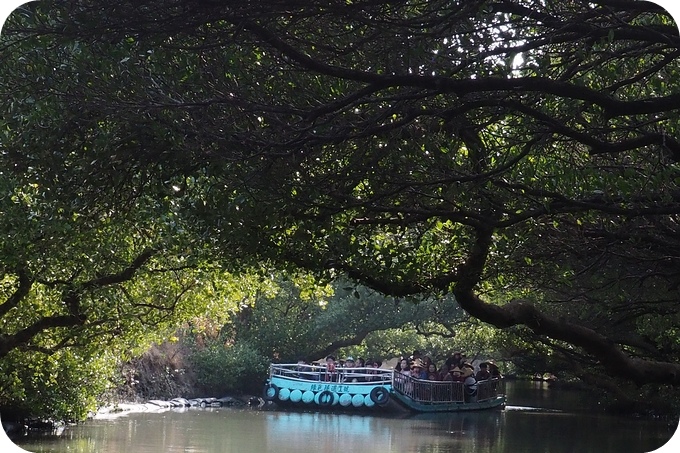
{"points": [[522, 155], [290, 324]]}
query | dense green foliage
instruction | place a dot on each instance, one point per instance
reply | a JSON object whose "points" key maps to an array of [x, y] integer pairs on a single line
{"points": [[221, 369], [82, 290], [522, 156], [66, 385], [290, 326]]}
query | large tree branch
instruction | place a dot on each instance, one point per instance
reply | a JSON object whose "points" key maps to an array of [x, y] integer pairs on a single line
{"points": [[395, 288], [23, 336], [334, 346], [615, 361], [443, 84], [122, 276], [22, 290]]}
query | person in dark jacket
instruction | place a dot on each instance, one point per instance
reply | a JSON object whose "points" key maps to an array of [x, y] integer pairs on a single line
{"points": [[483, 374]]}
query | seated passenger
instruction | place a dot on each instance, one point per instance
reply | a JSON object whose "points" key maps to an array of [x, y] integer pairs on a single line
{"points": [[348, 373], [455, 375], [377, 364], [443, 372], [404, 367], [432, 374], [454, 360], [483, 374], [361, 364], [427, 361], [349, 362], [303, 369], [470, 384], [467, 365], [418, 370], [331, 374], [368, 370], [493, 370]]}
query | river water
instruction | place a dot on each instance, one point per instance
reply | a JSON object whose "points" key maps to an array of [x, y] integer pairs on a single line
{"points": [[536, 419]]}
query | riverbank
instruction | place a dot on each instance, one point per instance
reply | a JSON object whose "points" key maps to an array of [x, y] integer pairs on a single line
{"points": [[17, 427]]}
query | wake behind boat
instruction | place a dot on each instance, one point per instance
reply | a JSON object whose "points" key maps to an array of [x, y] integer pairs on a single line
{"points": [[320, 387]]}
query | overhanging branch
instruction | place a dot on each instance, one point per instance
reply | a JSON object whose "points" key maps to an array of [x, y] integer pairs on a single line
{"points": [[615, 361]]}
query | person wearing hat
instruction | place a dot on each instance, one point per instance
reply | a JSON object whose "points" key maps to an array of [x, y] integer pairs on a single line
{"points": [[467, 372], [455, 375], [470, 383], [493, 370], [348, 374], [467, 365], [418, 369]]}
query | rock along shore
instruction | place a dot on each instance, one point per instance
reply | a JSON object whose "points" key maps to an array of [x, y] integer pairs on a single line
{"points": [[118, 409]]}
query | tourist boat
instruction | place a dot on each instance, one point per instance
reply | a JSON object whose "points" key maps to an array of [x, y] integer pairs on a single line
{"points": [[314, 386]]}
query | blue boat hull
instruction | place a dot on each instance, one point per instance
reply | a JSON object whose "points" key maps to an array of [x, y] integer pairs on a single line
{"points": [[304, 393]]}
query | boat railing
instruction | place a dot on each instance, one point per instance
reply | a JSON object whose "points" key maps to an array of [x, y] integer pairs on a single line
{"points": [[424, 391], [363, 375], [489, 389]]}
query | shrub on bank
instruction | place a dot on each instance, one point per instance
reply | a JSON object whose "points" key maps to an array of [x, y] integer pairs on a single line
{"points": [[61, 386], [236, 368]]}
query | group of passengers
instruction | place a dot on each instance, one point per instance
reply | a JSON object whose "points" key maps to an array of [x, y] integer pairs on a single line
{"points": [[349, 370], [456, 368]]}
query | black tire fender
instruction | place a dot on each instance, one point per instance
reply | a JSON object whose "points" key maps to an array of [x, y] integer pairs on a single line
{"points": [[380, 396], [326, 398], [270, 392]]}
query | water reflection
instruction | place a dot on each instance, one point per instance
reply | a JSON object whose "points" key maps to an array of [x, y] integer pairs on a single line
{"points": [[459, 432], [325, 432], [525, 427], [477, 431]]}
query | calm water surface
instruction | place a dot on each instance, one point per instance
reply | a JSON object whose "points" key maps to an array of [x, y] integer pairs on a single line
{"points": [[537, 419]]}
